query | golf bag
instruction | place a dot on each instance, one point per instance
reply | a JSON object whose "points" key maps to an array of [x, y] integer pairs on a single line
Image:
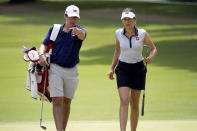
{"points": [[37, 81], [37, 76]]}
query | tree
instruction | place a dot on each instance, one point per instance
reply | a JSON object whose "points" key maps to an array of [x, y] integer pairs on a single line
{"points": [[184, 0], [21, 1]]}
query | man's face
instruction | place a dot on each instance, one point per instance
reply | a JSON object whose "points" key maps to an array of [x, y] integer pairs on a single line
{"points": [[71, 21]]}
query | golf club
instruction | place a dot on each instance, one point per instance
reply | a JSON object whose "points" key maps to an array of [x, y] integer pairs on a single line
{"points": [[143, 98], [42, 98]]}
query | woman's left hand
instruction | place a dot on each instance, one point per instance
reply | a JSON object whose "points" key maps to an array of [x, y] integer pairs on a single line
{"points": [[148, 60]]}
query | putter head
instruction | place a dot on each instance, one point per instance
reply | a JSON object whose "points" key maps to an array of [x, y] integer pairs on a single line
{"points": [[43, 127]]}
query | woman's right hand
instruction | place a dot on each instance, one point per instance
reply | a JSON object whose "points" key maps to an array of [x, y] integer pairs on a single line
{"points": [[111, 74], [43, 60]]}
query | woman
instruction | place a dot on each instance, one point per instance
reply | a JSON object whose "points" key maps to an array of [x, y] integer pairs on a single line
{"points": [[130, 72]]}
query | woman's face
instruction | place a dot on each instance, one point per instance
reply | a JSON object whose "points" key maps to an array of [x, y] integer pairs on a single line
{"points": [[129, 22]]}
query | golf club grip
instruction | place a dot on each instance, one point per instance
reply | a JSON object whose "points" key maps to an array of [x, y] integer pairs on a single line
{"points": [[143, 101]]}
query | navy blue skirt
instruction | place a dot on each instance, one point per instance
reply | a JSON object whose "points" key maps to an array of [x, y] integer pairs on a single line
{"points": [[131, 75]]}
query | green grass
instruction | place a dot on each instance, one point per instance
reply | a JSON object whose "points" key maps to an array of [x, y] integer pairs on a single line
{"points": [[171, 79], [103, 125]]}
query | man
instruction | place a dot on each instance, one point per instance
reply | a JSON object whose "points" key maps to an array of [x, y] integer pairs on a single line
{"points": [[63, 73]]}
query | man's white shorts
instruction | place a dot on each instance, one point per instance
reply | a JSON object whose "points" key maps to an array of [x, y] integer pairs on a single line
{"points": [[63, 82]]}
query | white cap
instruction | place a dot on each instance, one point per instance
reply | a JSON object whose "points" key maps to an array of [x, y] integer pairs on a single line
{"points": [[127, 14], [72, 10]]}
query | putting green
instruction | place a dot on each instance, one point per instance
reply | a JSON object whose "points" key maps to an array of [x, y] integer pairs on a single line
{"points": [[147, 125]]}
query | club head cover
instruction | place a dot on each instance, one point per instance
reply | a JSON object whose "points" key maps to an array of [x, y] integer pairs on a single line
{"points": [[26, 58], [33, 55]]}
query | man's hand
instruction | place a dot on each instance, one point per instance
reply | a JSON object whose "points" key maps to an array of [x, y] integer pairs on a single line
{"points": [[76, 31], [43, 60], [79, 32]]}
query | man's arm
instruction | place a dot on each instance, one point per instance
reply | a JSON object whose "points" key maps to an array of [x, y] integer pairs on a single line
{"points": [[42, 57]]}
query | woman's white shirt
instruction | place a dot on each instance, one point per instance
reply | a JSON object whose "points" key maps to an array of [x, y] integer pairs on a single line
{"points": [[131, 48]]}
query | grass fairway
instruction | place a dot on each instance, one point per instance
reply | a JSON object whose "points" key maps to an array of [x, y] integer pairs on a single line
{"points": [[171, 81], [104, 126]]}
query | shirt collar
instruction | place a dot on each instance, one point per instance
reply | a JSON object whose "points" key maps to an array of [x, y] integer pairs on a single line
{"points": [[135, 28], [62, 26]]}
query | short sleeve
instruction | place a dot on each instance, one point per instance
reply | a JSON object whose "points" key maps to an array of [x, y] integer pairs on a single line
{"points": [[47, 38], [84, 30], [117, 33]]}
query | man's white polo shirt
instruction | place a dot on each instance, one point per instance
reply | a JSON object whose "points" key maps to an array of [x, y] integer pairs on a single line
{"points": [[131, 48]]}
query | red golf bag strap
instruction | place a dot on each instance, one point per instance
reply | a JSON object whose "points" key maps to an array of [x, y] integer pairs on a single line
{"points": [[42, 86], [54, 34]]}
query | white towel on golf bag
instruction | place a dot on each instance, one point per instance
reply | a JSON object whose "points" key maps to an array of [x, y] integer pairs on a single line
{"points": [[28, 86], [34, 86], [32, 79], [28, 82]]}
